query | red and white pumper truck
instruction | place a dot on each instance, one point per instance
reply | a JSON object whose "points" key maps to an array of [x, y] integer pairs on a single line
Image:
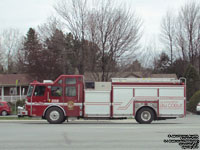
{"points": [[145, 99]]}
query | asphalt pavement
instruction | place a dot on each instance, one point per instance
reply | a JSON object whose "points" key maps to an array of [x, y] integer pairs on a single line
{"points": [[97, 135]]}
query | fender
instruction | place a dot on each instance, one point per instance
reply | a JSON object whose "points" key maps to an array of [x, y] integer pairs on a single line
{"points": [[54, 106]]}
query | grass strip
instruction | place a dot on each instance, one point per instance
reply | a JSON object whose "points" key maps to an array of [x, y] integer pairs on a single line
{"points": [[16, 118]]}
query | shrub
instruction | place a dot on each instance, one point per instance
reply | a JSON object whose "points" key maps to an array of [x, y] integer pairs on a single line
{"points": [[14, 105], [195, 99], [20, 102]]}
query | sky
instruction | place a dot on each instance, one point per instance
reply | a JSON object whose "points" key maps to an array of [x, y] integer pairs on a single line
{"points": [[23, 14]]}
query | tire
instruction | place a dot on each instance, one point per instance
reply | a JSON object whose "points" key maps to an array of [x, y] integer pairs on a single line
{"points": [[54, 115], [136, 119], [64, 119], [4, 113], [145, 116]]}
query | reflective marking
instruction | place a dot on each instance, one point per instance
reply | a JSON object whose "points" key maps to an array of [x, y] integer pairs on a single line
{"points": [[47, 104]]}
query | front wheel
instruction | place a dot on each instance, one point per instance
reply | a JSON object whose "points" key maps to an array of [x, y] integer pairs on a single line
{"points": [[4, 113], [145, 116], [55, 115]]}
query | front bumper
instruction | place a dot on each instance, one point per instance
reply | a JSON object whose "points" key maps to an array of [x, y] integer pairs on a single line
{"points": [[21, 111], [198, 108]]}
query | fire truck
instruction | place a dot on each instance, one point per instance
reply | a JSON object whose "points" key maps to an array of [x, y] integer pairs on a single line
{"points": [[144, 99]]}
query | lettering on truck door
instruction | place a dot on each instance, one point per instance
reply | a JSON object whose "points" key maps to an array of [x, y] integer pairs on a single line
{"points": [[171, 101]]}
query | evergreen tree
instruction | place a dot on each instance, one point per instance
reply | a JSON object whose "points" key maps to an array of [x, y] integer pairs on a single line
{"points": [[162, 65], [32, 53], [56, 55], [192, 81], [70, 63]]}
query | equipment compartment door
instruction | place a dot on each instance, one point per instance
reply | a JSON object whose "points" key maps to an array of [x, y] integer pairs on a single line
{"points": [[122, 101], [172, 101], [97, 103]]}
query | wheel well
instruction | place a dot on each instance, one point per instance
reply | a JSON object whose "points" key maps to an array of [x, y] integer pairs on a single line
{"points": [[55, 106], [147, 107], [3, 110]]}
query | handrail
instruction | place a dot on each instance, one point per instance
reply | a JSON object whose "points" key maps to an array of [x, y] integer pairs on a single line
{"points": [[183, 79], [146, 80]]}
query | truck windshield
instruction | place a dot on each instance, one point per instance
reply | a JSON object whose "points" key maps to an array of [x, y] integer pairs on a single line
{"points": [[30, 90]]}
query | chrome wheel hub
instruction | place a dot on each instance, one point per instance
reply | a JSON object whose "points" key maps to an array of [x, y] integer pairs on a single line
{"points": [[4, 113], [54, 115], [146, 116]]}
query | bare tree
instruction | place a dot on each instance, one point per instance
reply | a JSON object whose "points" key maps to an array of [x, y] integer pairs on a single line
{"points": [[149, 54], [10, 43], [47, 29], [188, 35], [181, 42], [114, 30], [1, 57], [74, 15], [168, 33]]}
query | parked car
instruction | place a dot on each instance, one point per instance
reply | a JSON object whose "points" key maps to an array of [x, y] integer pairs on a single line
{"points": [[4, 109], [198, 108]]}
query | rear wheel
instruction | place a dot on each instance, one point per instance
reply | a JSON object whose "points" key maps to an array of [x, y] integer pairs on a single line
{"points": [[145, 116], [55, 115], [136, 119], [4, 113]]}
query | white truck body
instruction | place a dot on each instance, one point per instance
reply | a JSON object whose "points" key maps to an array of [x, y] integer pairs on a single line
{"points": [[126, 99]]}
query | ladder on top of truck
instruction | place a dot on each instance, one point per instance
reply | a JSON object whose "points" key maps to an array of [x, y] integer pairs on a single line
{"points": [[149, 80]]}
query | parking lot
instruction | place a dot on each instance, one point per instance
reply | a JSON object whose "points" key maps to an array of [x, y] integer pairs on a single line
{"points": [[86, 134]]}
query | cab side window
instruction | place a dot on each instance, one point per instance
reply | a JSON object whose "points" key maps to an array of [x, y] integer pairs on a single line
{"points": [[70, 91], [60, 82], [39, 90], [71, 81], [56, 91]]}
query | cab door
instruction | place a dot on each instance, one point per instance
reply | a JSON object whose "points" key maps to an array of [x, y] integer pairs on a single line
{"points": [[71, 96]]}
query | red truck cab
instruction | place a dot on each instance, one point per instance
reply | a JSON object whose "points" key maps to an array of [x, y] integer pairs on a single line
{"points": [[4, 109], [63, 97]]}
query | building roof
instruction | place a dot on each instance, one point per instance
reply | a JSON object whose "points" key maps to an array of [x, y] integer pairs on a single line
{"points": [[164, 76], [128, 75], [89, 76], [10, 79]]}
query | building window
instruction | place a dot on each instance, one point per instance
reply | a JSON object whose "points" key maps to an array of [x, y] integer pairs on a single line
{"points": [[13, 91], [71, 81], [70, 91]]}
